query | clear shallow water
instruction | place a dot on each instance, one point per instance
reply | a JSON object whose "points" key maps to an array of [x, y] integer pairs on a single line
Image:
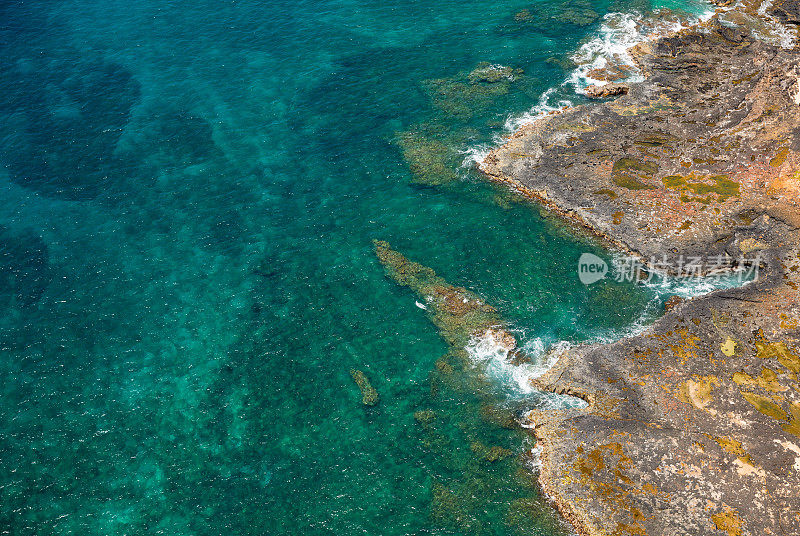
{"points": [[189, 194]]}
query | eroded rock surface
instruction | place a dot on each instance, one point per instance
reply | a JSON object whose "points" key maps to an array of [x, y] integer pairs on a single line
{"points": [[608, 90], [694, 426]]}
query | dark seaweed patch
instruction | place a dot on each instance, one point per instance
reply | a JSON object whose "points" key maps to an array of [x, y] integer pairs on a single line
{"points": [[73, 116], [176, 138], [24, 267]]}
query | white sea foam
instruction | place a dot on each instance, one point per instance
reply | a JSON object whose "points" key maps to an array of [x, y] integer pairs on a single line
{"points": [[476, 154], [489, 352], [548, 103], [686, 288], [495, 358], [544, 107], [618, 32], [535, 459], [782, 35]]}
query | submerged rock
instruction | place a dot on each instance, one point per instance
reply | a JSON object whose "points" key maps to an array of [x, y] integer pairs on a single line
{"points": [[523, 15], [567, 64], [499, 416], [577, 12], [425, 416], [369, 396], [467, 93], [433, 149], [553, 19], [432, 161], [490, 454], [463, 319], [451, 508], [459, 314], [493, 73]]}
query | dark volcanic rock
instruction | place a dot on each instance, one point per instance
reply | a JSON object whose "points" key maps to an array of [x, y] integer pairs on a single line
{"points": [[787, 11], [709, 135]]}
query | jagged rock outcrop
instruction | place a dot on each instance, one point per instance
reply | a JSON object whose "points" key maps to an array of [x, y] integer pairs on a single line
{"points": [[692, 427], [607, 90]]}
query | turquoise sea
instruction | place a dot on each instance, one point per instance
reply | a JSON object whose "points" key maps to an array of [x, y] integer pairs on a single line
{"points": [[188, 197]]}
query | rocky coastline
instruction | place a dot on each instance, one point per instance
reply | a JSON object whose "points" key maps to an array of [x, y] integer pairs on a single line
{"points": [[692, 427]]}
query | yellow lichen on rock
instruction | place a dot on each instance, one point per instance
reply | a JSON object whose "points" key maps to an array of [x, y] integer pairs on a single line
{"points": [[627, 110], [765, 405], [728, 521], [728, 347], [779, 350], [604, 470], [709, 191], [780, 157], [793, 427], [686, 348], [722, 186], [749, 245], [744, 463], [698, 392], [768, 380]]}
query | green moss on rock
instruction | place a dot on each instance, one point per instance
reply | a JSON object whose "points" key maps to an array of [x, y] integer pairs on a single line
{"points": [[430, 159], [720, 185], [627, 173]]}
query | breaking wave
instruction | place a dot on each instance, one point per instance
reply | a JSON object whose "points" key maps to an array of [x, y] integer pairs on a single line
{"points": [[608, 49], [497, 359], [515, 376]]}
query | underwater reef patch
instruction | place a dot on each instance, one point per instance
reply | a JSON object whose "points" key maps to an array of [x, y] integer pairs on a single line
{"points": [[68, 126]]}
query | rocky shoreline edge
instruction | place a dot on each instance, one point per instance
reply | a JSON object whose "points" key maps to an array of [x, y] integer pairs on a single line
{"points": [[693, 427]]}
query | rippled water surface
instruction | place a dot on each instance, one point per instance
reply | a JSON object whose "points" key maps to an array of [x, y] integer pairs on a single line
{"points": [[190, 191]]}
